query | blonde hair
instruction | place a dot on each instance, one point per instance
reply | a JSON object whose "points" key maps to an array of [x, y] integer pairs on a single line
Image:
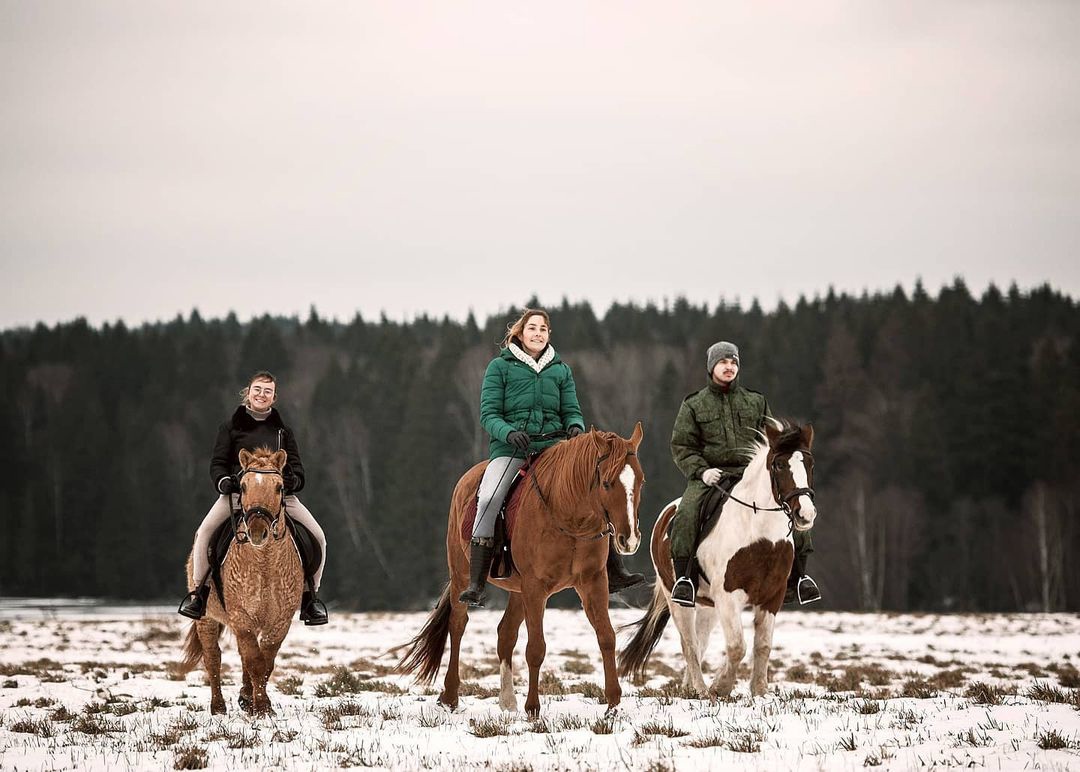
{"points": [[261, 375], [514, 329]]}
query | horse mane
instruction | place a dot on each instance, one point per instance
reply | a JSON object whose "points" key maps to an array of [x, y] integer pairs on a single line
{"points": [[563, 466], [789, 440]]}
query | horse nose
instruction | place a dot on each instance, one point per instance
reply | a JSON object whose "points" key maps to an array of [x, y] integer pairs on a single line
{"points": [[622, 543], [257, 532]]}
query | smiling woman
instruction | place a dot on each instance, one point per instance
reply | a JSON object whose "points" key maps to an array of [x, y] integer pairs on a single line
{"points": [[255, 424]]}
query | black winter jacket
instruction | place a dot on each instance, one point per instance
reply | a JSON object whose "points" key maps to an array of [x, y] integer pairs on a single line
{"points": [[242, 432]]}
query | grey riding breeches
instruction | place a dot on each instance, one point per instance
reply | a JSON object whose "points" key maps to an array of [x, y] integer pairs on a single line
{"points": [[499, 474]]}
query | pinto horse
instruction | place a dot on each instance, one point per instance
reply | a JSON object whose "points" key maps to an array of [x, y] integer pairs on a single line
{"points": [[262, 583], [580, 492], [745, 560]]}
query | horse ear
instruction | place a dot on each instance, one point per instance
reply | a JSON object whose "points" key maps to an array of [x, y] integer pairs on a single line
{"points": [[635, 438], [246, 457], [808, 435], [279, 459], [772, 432], [597, 440]]}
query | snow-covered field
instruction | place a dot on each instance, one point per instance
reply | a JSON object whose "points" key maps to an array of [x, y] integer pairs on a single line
{"points": [[86, 688]]}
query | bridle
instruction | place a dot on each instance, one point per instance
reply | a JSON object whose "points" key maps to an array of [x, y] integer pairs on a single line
{"points": [[784, 501], [609, 530], [277, 522]]}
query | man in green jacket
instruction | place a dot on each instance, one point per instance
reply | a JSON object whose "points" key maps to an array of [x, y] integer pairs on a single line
{"points": [[713, 432]]}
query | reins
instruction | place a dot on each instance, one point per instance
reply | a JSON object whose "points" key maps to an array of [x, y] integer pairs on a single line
{"points": [[784, 501]]}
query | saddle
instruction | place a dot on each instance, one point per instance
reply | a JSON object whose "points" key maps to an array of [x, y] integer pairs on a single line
{"points": [[708, 516], [502, 563], [307, 547]]}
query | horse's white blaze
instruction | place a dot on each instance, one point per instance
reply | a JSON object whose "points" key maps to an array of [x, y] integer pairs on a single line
{"points": [[626, 477], [798, 472]]}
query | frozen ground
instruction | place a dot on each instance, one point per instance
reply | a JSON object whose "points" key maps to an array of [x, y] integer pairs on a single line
{"points": [[85, 688]]}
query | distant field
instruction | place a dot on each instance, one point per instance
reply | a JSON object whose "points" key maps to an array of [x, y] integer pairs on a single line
{"points": [[83, 689]]}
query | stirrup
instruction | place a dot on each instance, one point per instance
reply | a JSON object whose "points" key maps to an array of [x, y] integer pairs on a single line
{"points": [[687, 587], [807, 590], [193, 606]]}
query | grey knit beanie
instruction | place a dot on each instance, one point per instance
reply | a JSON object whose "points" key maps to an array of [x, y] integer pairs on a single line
{"points": [[718, 351]]}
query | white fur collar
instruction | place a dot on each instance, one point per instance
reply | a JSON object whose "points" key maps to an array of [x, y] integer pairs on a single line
{"points": [[535, 364]]}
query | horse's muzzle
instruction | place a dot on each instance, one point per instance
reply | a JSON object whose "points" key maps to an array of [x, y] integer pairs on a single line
{"points": [[627, 545]]}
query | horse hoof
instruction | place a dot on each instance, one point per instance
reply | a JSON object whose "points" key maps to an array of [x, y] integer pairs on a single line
{"points": [[532, 711], [264, 710], [510, 705], [217, 708], [244, 703], [447, 703]]}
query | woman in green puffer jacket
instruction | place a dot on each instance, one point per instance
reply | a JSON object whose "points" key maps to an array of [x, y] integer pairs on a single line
{"points": [[528, 392]]}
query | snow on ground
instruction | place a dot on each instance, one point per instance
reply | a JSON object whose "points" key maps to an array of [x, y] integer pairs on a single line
{"points": [[93, 688]]}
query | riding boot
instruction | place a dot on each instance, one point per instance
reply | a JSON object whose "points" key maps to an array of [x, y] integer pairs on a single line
{"points": [[800, 587], [193, 606], [312, 610], [480, 554], [617, 577], [684, 593]]}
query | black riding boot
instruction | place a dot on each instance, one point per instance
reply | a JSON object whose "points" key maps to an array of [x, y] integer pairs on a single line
{"points": [[617, 577], [480, 554], [684, 593], [193, 606], [800, 586], [312, 610]]}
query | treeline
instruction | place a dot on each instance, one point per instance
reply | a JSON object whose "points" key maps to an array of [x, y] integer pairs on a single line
{"points": [[947, 438]]}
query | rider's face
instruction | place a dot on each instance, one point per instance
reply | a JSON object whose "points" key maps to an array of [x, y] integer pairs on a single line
{"points": [[535, 335], [725, 371], [261, 395]]}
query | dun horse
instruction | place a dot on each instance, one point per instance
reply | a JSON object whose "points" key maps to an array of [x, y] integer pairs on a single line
{"points": [[580, 491], [262, 582], [745, 560]]}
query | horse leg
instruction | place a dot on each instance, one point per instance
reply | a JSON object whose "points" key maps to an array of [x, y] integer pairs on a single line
{"points": [[209, 631], [706, 621], [534, 602], [728, 612], [685, 618], [509, 626], [594, 598], [254, 670], [764, 622], [269, 657], [459, 618]]}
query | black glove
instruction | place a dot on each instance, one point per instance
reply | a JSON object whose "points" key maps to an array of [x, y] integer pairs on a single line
{"points": [[226, 485], [290, 482], [573, 431], [519, 440]]}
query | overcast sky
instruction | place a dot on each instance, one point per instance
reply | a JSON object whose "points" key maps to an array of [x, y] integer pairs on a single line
{"points": [[439, 157]]}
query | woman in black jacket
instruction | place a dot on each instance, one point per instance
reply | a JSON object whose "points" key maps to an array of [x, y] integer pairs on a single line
{"points": [[255, 423]]}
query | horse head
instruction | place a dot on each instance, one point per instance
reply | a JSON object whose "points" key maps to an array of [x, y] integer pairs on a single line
{"points": [[619, 479], [791, 467], [262, 494]]}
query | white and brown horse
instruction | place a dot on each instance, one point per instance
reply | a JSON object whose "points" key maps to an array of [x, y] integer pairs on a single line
{"points": [[262, 580], [745, 560]]}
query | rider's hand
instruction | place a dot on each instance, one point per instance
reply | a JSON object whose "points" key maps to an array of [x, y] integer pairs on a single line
{"points": [[573, 431], [290, 482], [520, 440], [226, 485], [712, 476]]}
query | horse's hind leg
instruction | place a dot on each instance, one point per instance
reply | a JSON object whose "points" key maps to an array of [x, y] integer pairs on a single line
{"points": [[209, 631], [764, 622], [728, 612], [686, 623], [459, 618], [509, 626]]}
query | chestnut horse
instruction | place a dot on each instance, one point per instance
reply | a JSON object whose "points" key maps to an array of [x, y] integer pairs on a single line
{"points": [[581, 491], [262, 582], [746, 559]]}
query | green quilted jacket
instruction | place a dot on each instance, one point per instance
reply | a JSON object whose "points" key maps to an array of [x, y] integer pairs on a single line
{"points": [[537, 398]]}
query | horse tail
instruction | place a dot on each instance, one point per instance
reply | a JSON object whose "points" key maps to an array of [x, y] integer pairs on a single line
{"points": [[635, 656], [193, 650], [425, 651]]}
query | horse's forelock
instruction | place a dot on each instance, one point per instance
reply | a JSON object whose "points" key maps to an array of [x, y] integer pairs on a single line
{"points": [[790, 438], [262, 458]]}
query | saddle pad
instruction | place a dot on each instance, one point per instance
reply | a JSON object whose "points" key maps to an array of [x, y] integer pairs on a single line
{"points": [[509, 510]]}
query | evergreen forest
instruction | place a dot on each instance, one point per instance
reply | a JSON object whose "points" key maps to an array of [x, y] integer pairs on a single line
{"points": [[947, 438]]}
